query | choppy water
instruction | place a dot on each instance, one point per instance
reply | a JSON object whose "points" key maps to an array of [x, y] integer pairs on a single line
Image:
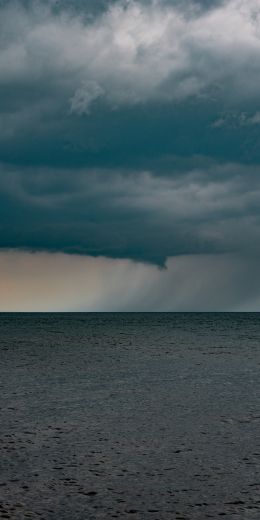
{"points": [[143, 416]]}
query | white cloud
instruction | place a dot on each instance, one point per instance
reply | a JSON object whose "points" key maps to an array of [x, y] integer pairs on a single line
{"points": [[133, 53], [84, 97], [235, 120], [255, 119]]}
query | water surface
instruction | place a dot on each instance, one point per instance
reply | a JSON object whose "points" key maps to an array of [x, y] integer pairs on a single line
{"points": [[143, 416]]}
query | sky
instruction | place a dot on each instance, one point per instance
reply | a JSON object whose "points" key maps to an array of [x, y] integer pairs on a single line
{"points": [[129, 155]]}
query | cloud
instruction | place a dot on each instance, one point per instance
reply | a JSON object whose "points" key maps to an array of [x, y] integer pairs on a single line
{"points": [[84, 97], [135, 81], [131, 53], [255, 119], [58, 282], [129, 133], [236, 120], [131, 214]]}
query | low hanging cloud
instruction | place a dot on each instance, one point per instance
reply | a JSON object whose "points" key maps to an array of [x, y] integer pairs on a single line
{"points": [[127, 214]]}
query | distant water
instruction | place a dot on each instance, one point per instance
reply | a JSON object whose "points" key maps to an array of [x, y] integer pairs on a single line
{"points": [[143, 416]]}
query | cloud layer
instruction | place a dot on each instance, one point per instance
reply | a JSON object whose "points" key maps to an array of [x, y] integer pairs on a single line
{"points": [[129, 131], [131, 53], [138, 215]]}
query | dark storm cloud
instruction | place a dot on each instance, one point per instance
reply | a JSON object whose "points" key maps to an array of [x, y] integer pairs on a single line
{"points": [[130, 129], [138, 215]]}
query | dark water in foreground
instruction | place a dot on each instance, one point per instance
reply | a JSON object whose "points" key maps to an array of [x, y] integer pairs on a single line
{"points": [[141, 416]]}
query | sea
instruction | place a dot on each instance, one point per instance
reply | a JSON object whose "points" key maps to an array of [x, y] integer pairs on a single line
{"points": [[130, 416]]}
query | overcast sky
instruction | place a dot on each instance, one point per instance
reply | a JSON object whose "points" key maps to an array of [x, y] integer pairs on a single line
{"points": [[129, 155]]}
